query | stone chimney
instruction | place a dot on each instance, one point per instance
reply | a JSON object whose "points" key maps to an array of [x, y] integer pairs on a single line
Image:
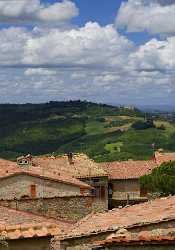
{"points": [[70, 158]]}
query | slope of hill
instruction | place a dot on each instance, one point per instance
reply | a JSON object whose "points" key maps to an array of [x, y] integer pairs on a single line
{"points": [[104, 132]]}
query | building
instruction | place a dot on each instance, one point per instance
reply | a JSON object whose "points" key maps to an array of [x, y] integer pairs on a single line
{"points": [[25, 180], [79, 166], [22, 230], [124, 186], [158, 239], [139, 219], [28, 186], [160, 157]]}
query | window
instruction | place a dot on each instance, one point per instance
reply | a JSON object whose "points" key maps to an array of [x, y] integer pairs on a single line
{"points": [[33, 191]]}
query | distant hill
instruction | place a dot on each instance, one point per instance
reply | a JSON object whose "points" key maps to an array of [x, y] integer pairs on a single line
{"points": [[102, 131]]}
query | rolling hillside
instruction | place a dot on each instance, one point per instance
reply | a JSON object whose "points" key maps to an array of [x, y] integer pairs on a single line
{"points": [[104, 132]]}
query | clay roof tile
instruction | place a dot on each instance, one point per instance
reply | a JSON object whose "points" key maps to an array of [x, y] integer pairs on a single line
{"points": [[138, 215]]}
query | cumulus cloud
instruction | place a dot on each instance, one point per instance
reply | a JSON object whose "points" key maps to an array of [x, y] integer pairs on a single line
{"points": [[26, 11], [88, 46], [152, 16], [155, 55], [92, 62]]}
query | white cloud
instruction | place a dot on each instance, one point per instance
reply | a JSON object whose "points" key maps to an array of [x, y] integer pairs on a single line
{"points": [[92, 62], [155, 55], [39, 71], [151, 16], [89, 46], [34, 11], [78, 47]]}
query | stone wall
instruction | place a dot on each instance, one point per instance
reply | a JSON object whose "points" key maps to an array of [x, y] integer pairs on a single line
{"points": [[21, 185], [122, 188], [71, 208]]}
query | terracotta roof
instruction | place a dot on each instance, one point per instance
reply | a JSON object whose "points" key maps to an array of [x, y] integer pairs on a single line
{"points": [[9, 168], [161, 157], [142, 214], [128, 169], [82, 166], [124, 237], [16, 224]]}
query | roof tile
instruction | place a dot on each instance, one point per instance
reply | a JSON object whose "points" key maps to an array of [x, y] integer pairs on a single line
{"points": [[17, 224], [144, 237], [141, 214], [9, 168], [82, 166], [128, 169]]}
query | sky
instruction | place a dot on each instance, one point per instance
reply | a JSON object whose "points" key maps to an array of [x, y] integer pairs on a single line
{"points": [[107, 51]]}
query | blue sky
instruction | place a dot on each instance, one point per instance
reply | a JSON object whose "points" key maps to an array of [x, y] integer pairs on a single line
{"points": [[101, 11], [120, 52]]}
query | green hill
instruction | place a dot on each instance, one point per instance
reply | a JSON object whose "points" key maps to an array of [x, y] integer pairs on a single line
{"points": [[104, 132]]}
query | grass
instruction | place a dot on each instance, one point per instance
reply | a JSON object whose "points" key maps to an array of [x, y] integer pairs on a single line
{"points": [[103, 132]]}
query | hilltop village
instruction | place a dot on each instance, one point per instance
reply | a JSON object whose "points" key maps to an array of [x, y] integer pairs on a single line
{"points": [[69, 202]]}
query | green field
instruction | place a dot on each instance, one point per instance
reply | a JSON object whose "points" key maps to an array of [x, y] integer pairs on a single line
{"points": [[104, 132]]}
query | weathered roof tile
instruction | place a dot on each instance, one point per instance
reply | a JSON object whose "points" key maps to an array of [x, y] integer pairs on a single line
{"points": [[17, 224], [9, 168], [141, 214], [128, 169]]}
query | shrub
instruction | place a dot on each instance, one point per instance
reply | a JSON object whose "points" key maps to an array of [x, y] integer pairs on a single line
{"points": [[143, 125], [161, 179]]}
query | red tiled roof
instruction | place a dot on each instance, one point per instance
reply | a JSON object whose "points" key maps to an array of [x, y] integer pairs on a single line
{"points": [[128, 169], [17, 224], [9, 168], [161, 157], [124, 237], [82, 166], [151, 212]]}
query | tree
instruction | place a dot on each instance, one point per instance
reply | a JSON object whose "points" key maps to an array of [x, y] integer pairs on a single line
{"points": [[160, 180], [139, 125]]}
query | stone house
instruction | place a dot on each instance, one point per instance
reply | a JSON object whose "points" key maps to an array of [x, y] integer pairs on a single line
{"points": [[140, 220], [22, 230], [28, 181], [35, 186], [124, 186], [79, 166], [28, 186]]}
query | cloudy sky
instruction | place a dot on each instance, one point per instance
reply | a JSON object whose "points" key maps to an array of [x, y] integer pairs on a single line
{"points": [[110, 51]]}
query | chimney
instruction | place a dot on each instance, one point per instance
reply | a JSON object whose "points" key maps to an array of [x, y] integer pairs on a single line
{"points": [[24, 160], [70, 158]]}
